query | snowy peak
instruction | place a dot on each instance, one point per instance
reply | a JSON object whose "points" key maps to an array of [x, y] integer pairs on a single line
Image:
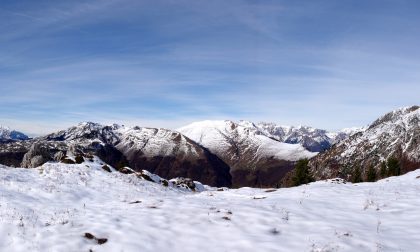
{"points": [[151, 141], [227, 136], [315, 140], [7, 134], [156, 142], [254, 158], [312, 139], [84, 131]]}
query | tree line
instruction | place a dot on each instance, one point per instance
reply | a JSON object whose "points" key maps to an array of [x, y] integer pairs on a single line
{"points": [[390, 167]]}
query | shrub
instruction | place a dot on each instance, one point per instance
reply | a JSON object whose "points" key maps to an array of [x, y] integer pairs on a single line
{"points": [[79, 159], [164, 183]]}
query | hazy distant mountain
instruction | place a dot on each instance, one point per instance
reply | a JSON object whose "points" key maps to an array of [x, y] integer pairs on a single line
{"points": [[7, 134], [313, 139], [396, 134]]}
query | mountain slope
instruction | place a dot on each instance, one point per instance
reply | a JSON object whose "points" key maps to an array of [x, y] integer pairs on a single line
{"points": [[396, 134], [254, 158]]}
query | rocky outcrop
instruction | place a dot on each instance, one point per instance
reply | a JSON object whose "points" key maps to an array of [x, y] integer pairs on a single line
{"points": [[40, 153]]}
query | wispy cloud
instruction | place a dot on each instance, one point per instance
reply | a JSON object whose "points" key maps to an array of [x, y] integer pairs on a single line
{"points": [[165, 63]]}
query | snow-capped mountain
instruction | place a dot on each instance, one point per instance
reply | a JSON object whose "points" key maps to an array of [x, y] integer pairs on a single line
{"points": [[313, 139], [7, 134], [164, 152], [253, 157], [396, 134]]}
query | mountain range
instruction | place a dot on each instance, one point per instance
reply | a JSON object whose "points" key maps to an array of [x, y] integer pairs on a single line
{"points": [[226, 153]]}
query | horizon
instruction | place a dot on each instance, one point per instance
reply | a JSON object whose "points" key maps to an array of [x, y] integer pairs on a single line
{"points": [[166, 64]]}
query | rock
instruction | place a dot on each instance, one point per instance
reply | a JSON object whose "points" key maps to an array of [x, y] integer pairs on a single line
{"points": [[106, 168], [37, 161], [126, 170], [89, 236], [59, 156], [102, 241], [184, 182], [37, 155]]}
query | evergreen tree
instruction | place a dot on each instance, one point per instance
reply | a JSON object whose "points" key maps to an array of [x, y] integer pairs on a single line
{"points": [[356, 176], [383, 171], [302, 174], [371, 174], [393, 167]]}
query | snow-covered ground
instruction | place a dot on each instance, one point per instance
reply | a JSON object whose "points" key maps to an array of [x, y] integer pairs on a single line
{"points": [[52, 207]]}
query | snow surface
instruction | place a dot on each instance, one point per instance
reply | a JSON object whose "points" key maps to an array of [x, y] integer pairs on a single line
{"points": [[51, 208]]}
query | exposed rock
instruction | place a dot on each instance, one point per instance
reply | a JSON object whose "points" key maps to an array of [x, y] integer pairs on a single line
{"points": [[106, 168], [184, 182], [59, 156], [37, 155]]}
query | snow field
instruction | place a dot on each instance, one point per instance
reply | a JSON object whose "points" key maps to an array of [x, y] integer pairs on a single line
{"points": [[51, 208]]}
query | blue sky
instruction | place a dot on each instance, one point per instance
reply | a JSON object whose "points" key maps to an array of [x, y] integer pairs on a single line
{"points": [[328, 64]]}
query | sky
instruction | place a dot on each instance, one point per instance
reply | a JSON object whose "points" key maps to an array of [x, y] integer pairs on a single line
{"points": [[166, 63]]}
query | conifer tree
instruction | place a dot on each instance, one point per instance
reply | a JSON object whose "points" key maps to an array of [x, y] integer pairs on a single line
{"points": [[302, 174], [356, 176], [371, 174], [393, 167], [383, 171]]}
